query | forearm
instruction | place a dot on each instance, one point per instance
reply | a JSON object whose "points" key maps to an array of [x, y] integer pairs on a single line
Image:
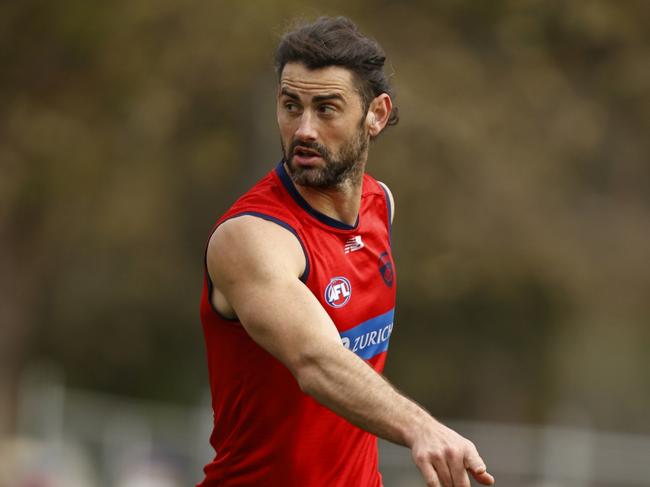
{"points": [[344, 383], [299, 333]]}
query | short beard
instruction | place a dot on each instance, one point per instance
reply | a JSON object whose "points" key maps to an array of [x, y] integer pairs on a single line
{"points": [[346, 166]]}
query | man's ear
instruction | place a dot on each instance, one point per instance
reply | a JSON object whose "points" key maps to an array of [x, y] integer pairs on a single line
{"points": [[378, 114]]}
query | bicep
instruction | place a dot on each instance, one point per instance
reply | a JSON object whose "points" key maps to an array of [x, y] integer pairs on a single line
{"points": [[256, 265], [285, 318]]}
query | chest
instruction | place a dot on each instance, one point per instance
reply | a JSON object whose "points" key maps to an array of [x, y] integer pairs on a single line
{"points": [[352, 274]]}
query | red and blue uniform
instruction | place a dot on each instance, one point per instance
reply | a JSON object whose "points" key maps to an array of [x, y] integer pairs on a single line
{"points": [[267, 432]]}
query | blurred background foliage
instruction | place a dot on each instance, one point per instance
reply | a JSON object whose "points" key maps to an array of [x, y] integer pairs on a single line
{"points": [[520, 170]]}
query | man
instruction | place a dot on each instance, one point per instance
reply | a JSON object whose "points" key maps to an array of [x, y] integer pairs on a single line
{"points": [[299, 293]]}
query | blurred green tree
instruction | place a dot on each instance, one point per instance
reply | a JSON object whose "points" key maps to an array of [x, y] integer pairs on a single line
{"points": [[519, 168]]}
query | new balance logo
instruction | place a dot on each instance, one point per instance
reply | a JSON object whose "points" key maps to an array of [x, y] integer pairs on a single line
{"points": [[353, 244]]}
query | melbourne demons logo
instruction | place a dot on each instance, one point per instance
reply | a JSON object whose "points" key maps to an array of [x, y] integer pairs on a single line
{"points": [[386, 269], [338, 292]]}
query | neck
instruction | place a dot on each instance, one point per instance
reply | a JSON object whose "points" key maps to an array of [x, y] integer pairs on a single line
{"points": [[341, 202]]}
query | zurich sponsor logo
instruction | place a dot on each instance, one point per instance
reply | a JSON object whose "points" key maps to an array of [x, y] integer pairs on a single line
{"points": [[338, 292], [370, 337]]}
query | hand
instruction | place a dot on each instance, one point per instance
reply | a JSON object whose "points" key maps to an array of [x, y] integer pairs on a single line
{"points": [[444, 457]]}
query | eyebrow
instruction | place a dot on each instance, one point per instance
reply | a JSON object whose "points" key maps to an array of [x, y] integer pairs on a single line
{"points": [[317, 98], [291, 95], [332, 96]]}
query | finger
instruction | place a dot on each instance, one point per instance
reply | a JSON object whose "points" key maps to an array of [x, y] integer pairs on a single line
{"points": [[476, 466], [458, 472], [442, 469], [483, 478], [429, 474]]}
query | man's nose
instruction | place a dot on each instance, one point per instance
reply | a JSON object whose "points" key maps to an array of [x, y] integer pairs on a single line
{"points": [[307, 127]]}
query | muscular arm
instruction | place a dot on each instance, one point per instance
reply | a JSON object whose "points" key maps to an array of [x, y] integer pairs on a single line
{"points": [[251, 262]]}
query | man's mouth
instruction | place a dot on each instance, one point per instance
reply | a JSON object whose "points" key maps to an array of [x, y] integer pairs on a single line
{"points": [[305, 156], [305, 152]]}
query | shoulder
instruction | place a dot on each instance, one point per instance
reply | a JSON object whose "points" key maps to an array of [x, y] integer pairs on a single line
{"points": [[267, 200], [389, 199], [254, 245]]}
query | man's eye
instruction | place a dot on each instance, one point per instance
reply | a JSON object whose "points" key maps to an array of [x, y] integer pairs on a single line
{"points": [[327, 109], [291, 107]]}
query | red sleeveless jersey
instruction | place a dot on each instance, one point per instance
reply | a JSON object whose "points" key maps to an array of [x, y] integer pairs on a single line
{"points": [[267, 432]]}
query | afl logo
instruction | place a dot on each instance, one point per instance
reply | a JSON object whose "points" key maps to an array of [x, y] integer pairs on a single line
{"points": [[338, 292]]}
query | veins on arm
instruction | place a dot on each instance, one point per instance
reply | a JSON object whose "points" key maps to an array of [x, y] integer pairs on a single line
{"points": [[252, 262]]}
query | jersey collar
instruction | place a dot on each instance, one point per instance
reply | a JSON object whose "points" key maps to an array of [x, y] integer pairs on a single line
{"points": [[291, 189]]}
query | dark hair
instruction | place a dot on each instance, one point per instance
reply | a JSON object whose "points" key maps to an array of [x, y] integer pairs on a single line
{"points": [[337, 42]]}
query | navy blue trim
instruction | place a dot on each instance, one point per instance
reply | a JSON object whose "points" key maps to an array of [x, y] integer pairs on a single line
{"points": [[390, 211], [285, 225], [291, 189]]}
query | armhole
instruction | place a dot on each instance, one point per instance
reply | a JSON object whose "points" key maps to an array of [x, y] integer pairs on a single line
{"points": [[264, 216], [208, 281], [389, 209]]}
